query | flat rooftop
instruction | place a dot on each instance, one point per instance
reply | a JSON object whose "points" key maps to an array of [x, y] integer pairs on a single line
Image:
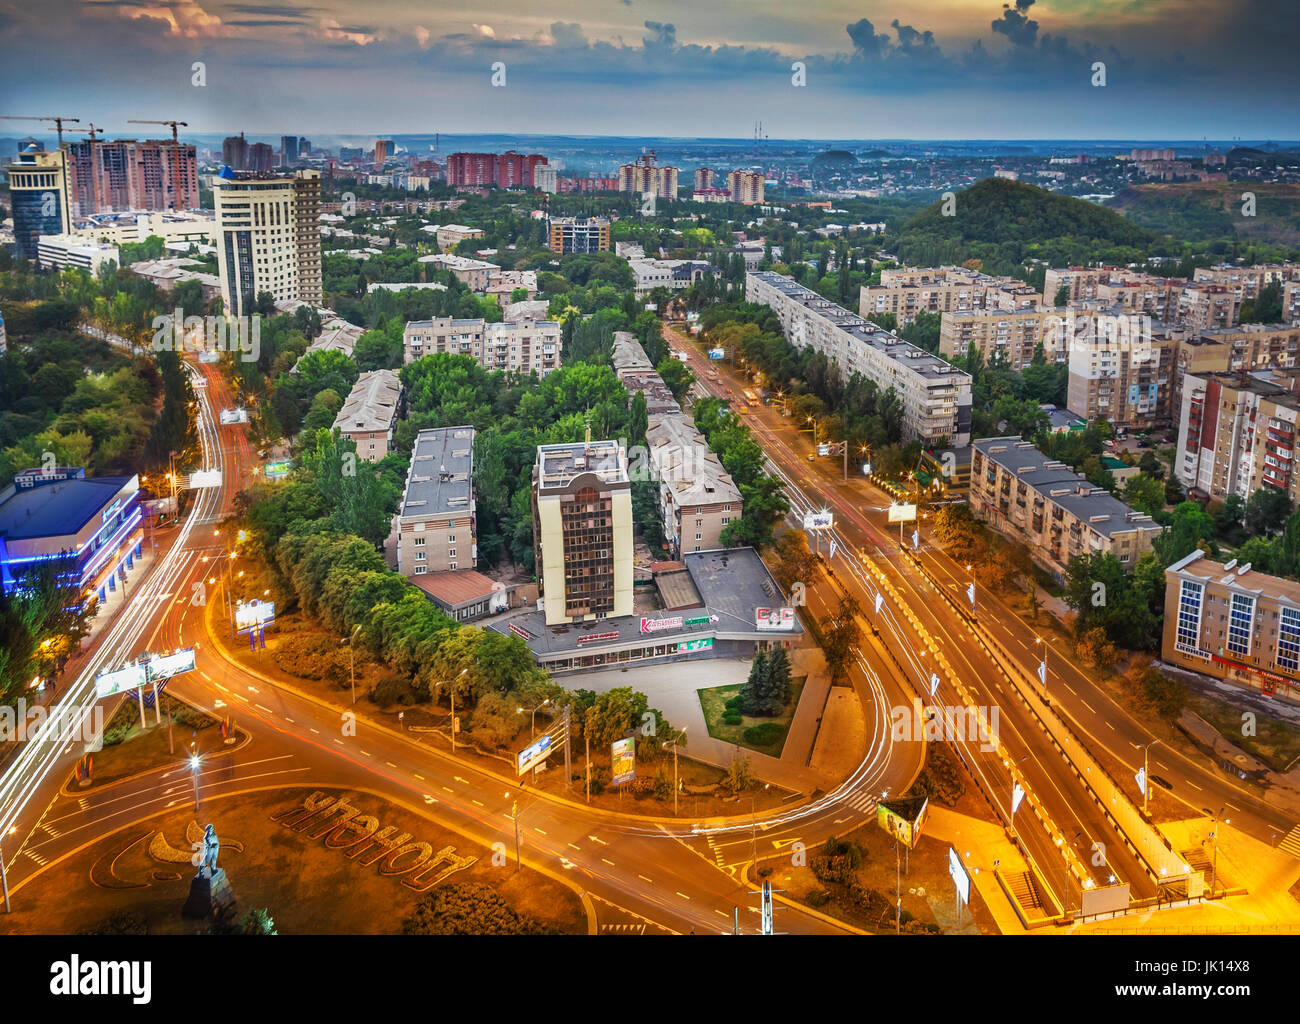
{"points": [[558, 464], [440, 479], [864, 331], [55, 509], [1238, 576]]}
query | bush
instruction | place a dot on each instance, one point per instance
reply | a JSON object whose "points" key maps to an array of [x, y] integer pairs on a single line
{"points": [[663, 785], [393, 690], [818, 898], [314, 656], [764, 734], [732, 718], [734, 705], [469, 908]]}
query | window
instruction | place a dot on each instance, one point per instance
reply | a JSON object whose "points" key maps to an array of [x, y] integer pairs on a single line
{"points": [[419, 542], [1240, 620], [419, 570], [451, 552], [451, 538], [1189, 614], [419, 556], [1288, 639]]}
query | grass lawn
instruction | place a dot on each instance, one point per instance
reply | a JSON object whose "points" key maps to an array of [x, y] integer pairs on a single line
{"points": [[1277, 743], [714, 699]]}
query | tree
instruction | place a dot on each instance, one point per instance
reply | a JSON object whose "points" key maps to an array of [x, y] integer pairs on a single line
{"points": [[1145, 493], [677, 375], [1266, 511], [792, 561], [469, 908], [1095, 648], [956, 529], [1190, 526], [840, 634], [1062, 297]]}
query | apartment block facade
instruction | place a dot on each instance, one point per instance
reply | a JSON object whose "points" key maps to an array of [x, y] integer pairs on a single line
{"points": [[130, 174], [1059, 516], [503, 170], [435, 524], [997, 334], [39, 196], [745, 186], [1234, 623], [578, 234], [1237, 433], [935, 396], [1127, 380], [525, 346], [645, 174], [582, 530], [697, 497]]}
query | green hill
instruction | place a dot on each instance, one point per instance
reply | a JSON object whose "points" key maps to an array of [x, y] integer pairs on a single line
{"points": [[1211, 211], [1003, 223]]}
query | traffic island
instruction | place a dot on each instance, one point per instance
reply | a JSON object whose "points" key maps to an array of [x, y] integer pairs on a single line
{"points": [[338, 862]]}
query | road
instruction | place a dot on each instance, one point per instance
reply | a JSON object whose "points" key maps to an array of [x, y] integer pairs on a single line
{"points": [[677, 876]]}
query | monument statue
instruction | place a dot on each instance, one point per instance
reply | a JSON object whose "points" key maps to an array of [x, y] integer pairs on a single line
{"points": [[208, 854]]}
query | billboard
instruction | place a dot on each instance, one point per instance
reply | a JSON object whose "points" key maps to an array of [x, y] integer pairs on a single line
{"points": [[277, 470], [702, 644], [717, 353], [902, 513], [254, 613], [903, 819], [655, 625], [957, 872], [229, 416], [534, 754], [818, 520], [774, 618], [623, 761], [205, 478], [130, 678], [823, 449], [164, 666]]}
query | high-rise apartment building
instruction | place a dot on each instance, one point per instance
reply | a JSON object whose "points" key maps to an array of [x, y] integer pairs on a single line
{"points": [[39, 195], [261, 158], [703, 179], [905, 292], [582, 530], [935, 395], [234, 152], [1121, 370], [436, 523], [645, 175], [504, 170], [997, 334], [546, 179], [268, 238], [745, 186], [578, 234], [288, 150], [128, 174], [1237, 433]]}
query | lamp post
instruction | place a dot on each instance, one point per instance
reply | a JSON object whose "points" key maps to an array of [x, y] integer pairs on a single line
{"points": [[753, 822], [1146, 774], [1214, 838], [4, 878], [451, 690], [514, 813], [352, 661], [194, 769], [675, 742]]}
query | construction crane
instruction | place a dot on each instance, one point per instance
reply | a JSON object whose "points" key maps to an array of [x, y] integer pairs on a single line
{"points": [[175, 140], [91, 130], [58, 122]]}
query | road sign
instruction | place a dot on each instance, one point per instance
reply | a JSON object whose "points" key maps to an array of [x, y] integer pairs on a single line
{"points": [[957, 871], [1141, 778], [819, 521]]}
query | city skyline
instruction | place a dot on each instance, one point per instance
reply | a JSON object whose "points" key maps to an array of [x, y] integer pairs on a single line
{"points": [[877, 70]]}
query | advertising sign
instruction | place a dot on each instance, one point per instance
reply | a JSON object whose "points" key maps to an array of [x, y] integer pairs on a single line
{"points": [[774, 618], [823, 449], [702, 644], [902, 513], [819, 520], [655, 625], [957, 871], [164, 666], [903, 819], [205, 478], [277, 470], [229, 416], [534, 754], [119, 681], [623, 761], [717, 353], [254, 613]]}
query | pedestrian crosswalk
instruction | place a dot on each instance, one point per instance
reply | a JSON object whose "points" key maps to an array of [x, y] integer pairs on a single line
{"points": [[717, 853], [1291, 843], [622, 929], [861, 801]]}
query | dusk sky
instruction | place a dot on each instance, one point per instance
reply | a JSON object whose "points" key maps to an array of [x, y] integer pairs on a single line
{"points": [[875, 68]]}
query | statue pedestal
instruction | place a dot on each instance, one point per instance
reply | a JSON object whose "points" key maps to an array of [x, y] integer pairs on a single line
{"points": [[208, 895], [199, 904], [222, 894]]}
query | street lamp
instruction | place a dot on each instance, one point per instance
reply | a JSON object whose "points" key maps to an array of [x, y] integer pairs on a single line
{"points": [[1214, 838], [352, 661], [451, 689], [4, 879], [194, 769], [675, 740], [753, 820], [1146, 774]]}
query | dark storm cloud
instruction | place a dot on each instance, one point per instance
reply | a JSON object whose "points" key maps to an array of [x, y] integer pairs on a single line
{"points": [[865, 40], [1016, 25]]}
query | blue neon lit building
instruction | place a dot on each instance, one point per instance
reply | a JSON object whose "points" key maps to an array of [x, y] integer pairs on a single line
{"points": [[92, 528]]}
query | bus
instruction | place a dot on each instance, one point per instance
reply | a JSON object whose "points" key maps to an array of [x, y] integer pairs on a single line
{"points": [[750, 397]]}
